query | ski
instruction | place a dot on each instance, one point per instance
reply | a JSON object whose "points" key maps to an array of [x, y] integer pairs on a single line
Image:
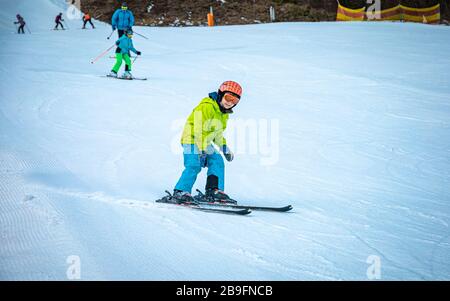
{"points": [[204, 201], [212, 210], [256, 208], [168, 200], [133, 78], [224, 211], [123, 78]]}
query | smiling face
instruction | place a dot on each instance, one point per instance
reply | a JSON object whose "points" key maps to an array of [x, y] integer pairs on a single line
{"points": [[229, 101]]}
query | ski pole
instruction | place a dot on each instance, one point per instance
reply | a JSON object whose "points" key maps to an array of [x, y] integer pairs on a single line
{"points": [[66, 24], [102, 54], [134, 60], [141, 35], [111, 34], [17, 28], [28, 29]]}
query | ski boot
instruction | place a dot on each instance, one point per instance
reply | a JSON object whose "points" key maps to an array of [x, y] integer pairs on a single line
{"points": [[182, 197], [212, 193], [112, 74], [216, 195], [178, 197], [127, 75]]}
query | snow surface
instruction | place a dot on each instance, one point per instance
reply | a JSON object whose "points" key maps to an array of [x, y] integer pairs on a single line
{"points": [[360, 114]]}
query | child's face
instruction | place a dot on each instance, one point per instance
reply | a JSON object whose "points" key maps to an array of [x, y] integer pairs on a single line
{"points": [[229, 101]]}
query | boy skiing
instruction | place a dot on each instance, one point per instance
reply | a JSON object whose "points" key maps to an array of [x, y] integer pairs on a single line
{"points": [[122, 19], [124, 46], [22, 24], [203, 127], [87, 18], [58, 20]]}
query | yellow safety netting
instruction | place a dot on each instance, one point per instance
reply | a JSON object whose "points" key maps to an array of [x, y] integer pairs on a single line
{"points": [[347, 14], [429, 15], [390, 14], [423, 15]]}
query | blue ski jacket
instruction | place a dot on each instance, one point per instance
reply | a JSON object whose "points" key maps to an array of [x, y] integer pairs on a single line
{"points": [[125, 44], [122, 19]]}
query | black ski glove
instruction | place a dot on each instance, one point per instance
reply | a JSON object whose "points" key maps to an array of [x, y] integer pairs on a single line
{"points": [[138, 52], [227, 153]]}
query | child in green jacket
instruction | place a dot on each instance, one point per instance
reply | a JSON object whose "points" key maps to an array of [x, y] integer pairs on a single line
{"points": [[203, 128]]}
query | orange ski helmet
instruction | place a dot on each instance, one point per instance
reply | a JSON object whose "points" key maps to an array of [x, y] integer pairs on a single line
{"points": [[230, 87]]}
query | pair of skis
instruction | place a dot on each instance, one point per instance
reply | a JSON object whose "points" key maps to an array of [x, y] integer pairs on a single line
{"points": [[226, 207]]}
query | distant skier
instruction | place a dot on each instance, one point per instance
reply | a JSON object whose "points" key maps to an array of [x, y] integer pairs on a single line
{"points": [[203, 128], [87, 18], [122, 19], [58, 20], [22, 23], [124, 46]]}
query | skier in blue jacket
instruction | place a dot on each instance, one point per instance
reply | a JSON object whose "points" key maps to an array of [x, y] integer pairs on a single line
{"points": [[124, 46], [122, 19]]}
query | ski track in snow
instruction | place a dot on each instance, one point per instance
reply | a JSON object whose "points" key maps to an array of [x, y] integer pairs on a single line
{"points": [[364, 154]]}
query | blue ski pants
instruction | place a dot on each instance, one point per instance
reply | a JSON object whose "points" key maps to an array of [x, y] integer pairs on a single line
{"points": [[192, 167]]}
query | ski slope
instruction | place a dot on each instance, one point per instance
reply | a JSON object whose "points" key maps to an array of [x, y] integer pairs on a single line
{"points": [[359, 116]]}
